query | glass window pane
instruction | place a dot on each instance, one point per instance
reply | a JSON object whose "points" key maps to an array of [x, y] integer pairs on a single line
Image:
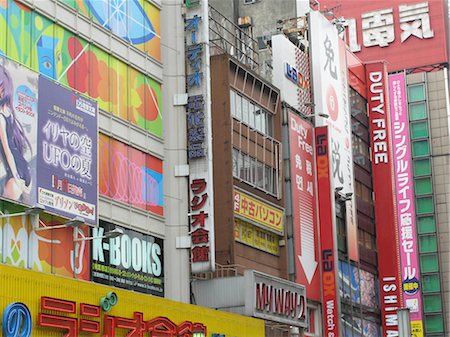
{"points": [[251, 115], [417, 111], [429, 263], [416, 92], [430, 283], [245, 110], [422, 167], [423, 186], [427, 244], [238, 107], [420, 148], [263, 121], [268, 179], [233, 103], [258, 118], [241, 166], [426, 224], [269, 127], [425, 205], [432, 303], [419, 130], [434, 323]]}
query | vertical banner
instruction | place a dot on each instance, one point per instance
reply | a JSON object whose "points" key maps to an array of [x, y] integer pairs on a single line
{"points": [[406, 215], [330, 85], [67, 153], [328, 254], [384, 202], [199, 140], [301, 140], [18, 135]]}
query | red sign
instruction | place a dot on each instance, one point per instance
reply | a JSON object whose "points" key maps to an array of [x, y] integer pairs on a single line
{"points": [[328, 261], [199, 235], [393, 30], [60, 313], [383, 189], [304, 205]]}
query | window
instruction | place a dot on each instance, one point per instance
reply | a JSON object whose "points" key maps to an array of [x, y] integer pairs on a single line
{"points": [[416, 92], [417, 111], [423, 186], [420, 148], [251, 114], [254, 172], [422, 167], [419, 130]]}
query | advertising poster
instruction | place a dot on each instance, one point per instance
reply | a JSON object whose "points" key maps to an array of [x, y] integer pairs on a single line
{"points": [[67, 153], [301, 145], [49, 251], [18, 134], [131, 176], [329, 71], [384, 196], [132, 261], [349, 282], [406, 215], [328, 253], [368, 286]]}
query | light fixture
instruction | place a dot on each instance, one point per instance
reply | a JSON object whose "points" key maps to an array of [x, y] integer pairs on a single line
{"points": [[320, 114], [116, 232], [338, 189], [33, 210], [75, 222]]}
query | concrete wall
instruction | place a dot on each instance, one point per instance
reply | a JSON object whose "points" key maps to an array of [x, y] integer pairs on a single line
{"points": [[176, 261]]}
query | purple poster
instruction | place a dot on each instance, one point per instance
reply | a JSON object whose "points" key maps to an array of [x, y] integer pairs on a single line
{"points": [[67, 152]]}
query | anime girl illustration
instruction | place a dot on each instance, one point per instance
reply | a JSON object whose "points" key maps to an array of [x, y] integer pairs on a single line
{"points": [[13, 144]]}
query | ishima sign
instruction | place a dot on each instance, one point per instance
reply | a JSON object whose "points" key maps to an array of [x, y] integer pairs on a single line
{"points": [[383, 189]]}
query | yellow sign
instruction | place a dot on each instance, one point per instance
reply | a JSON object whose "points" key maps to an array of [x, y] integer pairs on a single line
{"points": [[39, 292], [258, 211], [256, 237], [416, 329]]}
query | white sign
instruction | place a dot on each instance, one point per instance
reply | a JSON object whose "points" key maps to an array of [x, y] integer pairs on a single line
{"points": [[330, 87], [291, 74]]}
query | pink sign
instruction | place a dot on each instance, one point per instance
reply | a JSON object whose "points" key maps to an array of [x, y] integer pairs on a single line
{"points": [[304, 205], [405, 198]]}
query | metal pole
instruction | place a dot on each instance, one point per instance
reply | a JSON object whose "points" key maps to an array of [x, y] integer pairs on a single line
{"points": [[404, 322]]}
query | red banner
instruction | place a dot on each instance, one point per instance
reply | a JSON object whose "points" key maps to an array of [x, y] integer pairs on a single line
{"points": [[304, 205], [330, 300], [384, 203]]}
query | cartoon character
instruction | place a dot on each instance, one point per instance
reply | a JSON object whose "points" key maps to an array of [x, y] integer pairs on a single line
{"points": [[49, 56], [14, 143]]}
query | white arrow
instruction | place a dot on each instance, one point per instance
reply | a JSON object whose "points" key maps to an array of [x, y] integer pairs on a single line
{"points": [[307, 257]]}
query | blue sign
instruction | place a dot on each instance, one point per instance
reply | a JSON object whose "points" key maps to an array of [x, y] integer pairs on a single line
{"points": [[16, 321]]}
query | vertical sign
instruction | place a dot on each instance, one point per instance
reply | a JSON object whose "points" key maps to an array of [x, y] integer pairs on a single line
{"points": [[199, 140], [329, 71], [67, 152], [304, 204], [384, 202], [328, 255], [406, 215]]}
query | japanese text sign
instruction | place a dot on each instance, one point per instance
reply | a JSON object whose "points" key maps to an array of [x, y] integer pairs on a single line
{"points": [[406, 215], [67, 152], [384, 200], [392, 29], [304, 204], [328, 253], [258, 212]]}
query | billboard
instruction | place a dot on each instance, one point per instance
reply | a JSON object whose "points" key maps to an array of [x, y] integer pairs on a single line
{"points": [[130, 176], [67, 167], [132, 261], [303, 196], [330, 84], [384, 192], [258, 212], [406, 215], [52, 251], [328, 251], [392, 29], [18, 119], [291, 73], [56, 306]]}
